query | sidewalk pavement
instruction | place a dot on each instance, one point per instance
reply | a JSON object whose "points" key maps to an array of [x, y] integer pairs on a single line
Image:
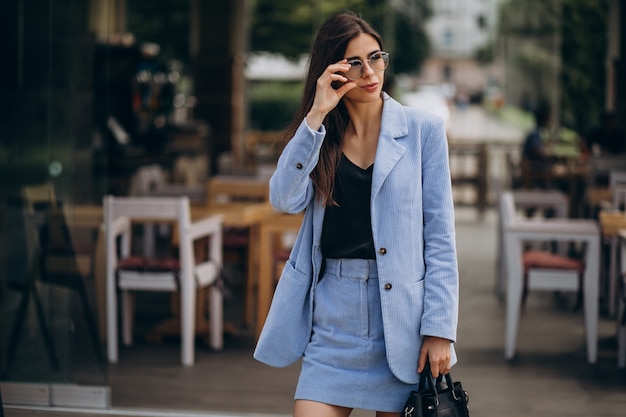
{"points": [[549, 377]]}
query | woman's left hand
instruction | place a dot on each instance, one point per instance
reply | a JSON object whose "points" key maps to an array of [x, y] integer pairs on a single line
{"points": [[437, 351]]}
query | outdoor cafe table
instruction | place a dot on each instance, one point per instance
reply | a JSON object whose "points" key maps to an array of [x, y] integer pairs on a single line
{"points": [[233, 214], [611, 222], [271, 229]]}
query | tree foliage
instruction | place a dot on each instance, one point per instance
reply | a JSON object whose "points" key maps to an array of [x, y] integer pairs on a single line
{"points": [[164, 22], [583, 75], [288, 26], [567, 38], [530, 30]]}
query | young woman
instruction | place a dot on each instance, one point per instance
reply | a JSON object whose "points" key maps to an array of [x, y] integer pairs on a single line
{"points": [[370, 292]]}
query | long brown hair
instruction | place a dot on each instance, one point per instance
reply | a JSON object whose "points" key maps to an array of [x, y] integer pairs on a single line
{"points": [[329, 47]]}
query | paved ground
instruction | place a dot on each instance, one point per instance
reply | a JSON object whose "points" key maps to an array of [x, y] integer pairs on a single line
{"points": [[549, 377]]}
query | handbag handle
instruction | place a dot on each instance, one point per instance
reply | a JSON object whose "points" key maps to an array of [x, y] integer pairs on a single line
{"points": [[431, 394], [427, 377], [427, 381]]}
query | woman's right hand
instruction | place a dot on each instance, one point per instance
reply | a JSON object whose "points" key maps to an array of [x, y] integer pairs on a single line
{"points": [[326, 96]]}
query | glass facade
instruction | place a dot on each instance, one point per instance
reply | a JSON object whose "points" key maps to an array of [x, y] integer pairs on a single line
{"points": [[49, 317], [92, 91]]}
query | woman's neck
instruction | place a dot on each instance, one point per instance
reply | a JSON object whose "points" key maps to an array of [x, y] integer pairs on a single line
{"points": [[361, 137], [364, 118]]}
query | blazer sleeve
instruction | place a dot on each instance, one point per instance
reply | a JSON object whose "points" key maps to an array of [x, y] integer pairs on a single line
{"points": [[291, 188], [441, 279]]}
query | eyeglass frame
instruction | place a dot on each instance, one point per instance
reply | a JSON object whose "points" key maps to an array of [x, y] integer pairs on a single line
{"points": [[382, 54]]}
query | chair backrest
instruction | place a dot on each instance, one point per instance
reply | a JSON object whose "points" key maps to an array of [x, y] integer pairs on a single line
{"points": [[602, 166], [36, 194], [223, 189], [617, 177], [190, 171], [513, 201], [542, 200], [147, 208], [122, 210], [145, 179], [617, 184], [152, 181], [619, 196]]}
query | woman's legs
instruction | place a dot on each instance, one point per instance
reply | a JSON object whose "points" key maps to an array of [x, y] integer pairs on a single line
{"points": [[306, 408]]}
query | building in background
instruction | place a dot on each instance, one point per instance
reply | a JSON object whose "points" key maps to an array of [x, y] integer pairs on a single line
{"points": [[462, 31]]}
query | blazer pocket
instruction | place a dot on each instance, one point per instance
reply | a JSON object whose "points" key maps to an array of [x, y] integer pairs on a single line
{"points": [[291, 273], [417, 305], [288, 325]]}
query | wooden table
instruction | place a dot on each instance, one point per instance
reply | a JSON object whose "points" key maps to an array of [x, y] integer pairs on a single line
{"points": [[234, 214], [611, 222], [269, 229], [227, 189]]}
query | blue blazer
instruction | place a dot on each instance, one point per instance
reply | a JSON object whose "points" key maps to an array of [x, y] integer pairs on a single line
{"points": [[413, 228]]}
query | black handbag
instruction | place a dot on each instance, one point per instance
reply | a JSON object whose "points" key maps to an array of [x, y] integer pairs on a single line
{"points": [[436, 399]]}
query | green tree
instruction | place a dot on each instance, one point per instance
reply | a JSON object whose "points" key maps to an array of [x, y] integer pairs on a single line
{"points": [[583, 73], [530, 33], [283, 26], [557, 48], [411, 43], [288, 26], [164, 22]]}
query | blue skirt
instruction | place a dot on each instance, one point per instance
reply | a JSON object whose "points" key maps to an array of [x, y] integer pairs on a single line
{"points": [[345, 362]]}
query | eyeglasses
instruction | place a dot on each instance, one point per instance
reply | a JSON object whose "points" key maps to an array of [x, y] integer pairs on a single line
{"points": [[378, 62]]}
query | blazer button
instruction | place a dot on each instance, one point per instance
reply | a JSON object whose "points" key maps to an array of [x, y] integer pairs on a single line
{"points": [[382, 251], [299, 165], [388, 286]]}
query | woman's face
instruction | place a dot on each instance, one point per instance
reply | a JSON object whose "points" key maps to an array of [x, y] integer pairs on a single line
{"points": [[370, 82]]}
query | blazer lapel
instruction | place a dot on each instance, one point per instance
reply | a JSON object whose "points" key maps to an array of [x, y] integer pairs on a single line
{"points": [[388, 151]]}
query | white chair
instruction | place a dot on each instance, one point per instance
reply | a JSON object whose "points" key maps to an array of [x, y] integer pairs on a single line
{"points": [[617, 184], [539, 200], [184, 273], [602, 166], [550, 272], [604, 172], [619, 196], [621, 316]]}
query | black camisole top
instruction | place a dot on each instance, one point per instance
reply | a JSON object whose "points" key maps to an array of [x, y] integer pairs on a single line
{"points": [[347, 230]]}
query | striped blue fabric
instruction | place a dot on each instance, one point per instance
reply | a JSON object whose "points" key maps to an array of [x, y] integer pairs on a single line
{"points": [[345, 363], [413, 229]]}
